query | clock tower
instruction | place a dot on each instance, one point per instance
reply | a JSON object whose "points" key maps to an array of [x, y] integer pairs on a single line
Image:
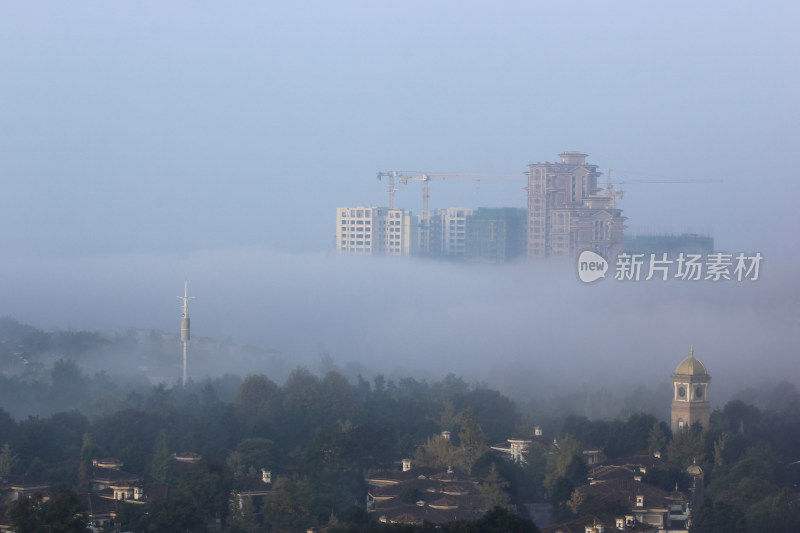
{"points": [[690, 394]]}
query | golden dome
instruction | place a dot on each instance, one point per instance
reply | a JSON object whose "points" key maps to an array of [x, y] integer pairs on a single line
{"points": [[691, 366], [694, 470]]}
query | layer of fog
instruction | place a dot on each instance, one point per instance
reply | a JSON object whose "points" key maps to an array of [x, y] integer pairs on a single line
{"points": [[528, 329]]}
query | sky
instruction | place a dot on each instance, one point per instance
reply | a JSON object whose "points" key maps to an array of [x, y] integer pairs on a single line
{"points": [[144, 143]]}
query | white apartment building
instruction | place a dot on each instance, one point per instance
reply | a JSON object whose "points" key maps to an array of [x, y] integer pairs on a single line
{"points": [[454, 231], [376, 231], [401, 234], [360, 230]]}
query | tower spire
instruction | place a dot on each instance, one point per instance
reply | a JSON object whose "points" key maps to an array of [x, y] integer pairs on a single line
{"points": [[691, 350]]}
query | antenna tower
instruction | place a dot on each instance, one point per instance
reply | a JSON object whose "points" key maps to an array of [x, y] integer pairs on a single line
{"points": [[185, 326]]}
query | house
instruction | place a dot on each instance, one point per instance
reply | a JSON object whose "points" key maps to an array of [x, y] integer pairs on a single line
{"points": [[415, 495], [21, 486], [601, 524], [107, 473], [648, 504], [254, 488]]}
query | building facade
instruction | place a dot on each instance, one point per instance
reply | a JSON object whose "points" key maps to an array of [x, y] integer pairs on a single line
{"points": [[495, 235], [454, 231], [567, 212], [690, 402], [360, 230], [401, 236], [376, 231]]}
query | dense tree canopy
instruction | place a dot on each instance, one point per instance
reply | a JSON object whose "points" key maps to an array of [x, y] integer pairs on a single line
{"points": [[320, 435]]}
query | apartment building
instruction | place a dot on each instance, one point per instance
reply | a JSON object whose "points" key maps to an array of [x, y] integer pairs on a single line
{"points": [[376, 231], [567, 211], [361, 230]]}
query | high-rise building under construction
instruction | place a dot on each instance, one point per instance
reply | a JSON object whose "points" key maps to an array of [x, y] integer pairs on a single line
{"points": [[567, 212]]}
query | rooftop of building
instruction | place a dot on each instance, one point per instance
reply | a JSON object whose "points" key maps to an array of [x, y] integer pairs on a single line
{"points": [[691, 366]]}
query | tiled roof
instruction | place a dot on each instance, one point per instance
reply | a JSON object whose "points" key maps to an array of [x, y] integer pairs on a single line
{"points": [[398, 476], [414, 514], [609, 524], [25, 483], [249, 484], [97, 506], [111, 475], [624, 491]]}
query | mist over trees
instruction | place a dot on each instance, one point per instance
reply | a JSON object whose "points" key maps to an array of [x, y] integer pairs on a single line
{"points": [[320, 432]]}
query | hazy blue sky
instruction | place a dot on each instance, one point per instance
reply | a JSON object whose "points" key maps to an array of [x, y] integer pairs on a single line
{"points": [[143, 143], [140, 126]]}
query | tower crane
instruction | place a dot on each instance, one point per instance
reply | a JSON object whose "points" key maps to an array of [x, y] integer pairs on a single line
{"points": [[615, 193], [427, 177]]}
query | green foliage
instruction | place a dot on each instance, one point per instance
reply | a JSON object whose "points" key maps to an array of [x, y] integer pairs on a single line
{"points": [[534, 467], [718, 517], [61, 513], [667, 479], [657, 438], [471, 438], [251, 455], [439, 452], [290, 504], [177, 514], [617, 438], [410, 495], [561, 490], [258, 399], [560, 457], [9, 461], [161, 465], [243, 517], [778, 512], [208, 486], [496, 520], [494, 489], [687, 446], [577, 470]]}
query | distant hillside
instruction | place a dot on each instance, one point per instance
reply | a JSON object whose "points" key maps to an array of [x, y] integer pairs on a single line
{"points": [[28, 353]]}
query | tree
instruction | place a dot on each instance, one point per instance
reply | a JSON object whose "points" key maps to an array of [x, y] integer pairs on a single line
{"points": [[161, 466], [410, 495], [471, 437], [718, 517], [208, 485], [560, 493], [559, 459], [687, 446], [60, 514], [494, 488], [9, 461], [289, 504], [258, 398], [576, 470], [252, 455], [447, 420], [243, 515], [657, 439], [777, 513], [176, 514], [502, 520], [439, 452], [535, 465]]}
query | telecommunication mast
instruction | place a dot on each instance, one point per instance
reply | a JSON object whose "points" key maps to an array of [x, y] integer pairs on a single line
{"points": [[185, 326]]}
